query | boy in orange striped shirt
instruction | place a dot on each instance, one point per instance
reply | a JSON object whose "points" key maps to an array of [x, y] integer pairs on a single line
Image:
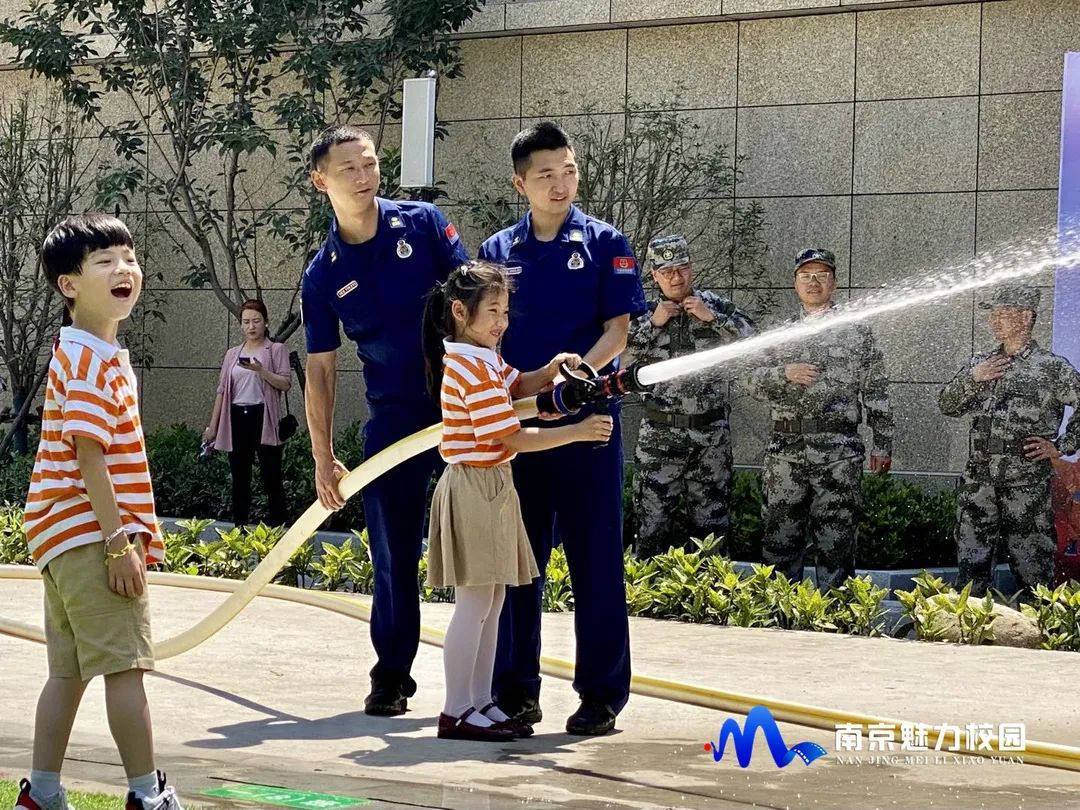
{"points": [[476, 538], [90, 518]]}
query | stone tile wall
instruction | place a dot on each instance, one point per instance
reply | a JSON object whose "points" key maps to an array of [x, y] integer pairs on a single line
{"points": [[904, 138]]}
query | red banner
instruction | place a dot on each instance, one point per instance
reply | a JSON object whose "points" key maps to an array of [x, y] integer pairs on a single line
{"points": [[1065, 489]]}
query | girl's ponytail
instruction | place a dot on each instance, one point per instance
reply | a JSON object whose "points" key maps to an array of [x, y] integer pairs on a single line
{"points": [[468, 284], [436, 327]]}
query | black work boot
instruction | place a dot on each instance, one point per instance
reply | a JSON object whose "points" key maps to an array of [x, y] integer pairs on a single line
{"points": [[592, 719], [386, 699], [522, 708]]}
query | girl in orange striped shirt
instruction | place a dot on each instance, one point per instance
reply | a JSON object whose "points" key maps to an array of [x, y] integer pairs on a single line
{"points": [[477, 541]]}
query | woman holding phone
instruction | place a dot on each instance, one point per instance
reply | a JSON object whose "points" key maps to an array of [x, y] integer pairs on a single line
{"points": [[247, 409]]}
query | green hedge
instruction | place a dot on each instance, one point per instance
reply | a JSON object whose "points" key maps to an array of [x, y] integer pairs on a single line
{"points": [[696, 586], [187, 486], [902, 526]]}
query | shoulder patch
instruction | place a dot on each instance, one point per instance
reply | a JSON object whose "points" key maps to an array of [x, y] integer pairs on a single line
{"points": [[624, 265], [451, 232]]}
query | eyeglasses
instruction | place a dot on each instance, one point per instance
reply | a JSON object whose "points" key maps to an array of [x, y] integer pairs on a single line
{"points": [[820, 276], [671, 272]]}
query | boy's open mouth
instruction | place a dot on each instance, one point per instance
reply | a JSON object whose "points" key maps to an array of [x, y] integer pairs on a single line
{"points": [[123, 290]]}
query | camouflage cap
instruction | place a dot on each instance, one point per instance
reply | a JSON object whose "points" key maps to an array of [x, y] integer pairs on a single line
{"points": [[1013, 295], [668, 251], [825, 257]]}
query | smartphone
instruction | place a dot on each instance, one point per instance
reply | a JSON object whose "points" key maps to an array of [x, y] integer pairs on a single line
{"points": [[245, 361]]}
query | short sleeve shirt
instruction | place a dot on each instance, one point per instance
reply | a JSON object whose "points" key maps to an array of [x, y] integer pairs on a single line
{"points": [[565, 289], [91, 393], [477, 406]]}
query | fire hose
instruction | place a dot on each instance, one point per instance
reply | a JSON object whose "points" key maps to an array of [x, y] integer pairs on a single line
{"points": [[577, 391]]}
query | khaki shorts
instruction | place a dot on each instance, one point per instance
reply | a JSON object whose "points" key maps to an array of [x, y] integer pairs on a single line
{"points": [[89, 629]]}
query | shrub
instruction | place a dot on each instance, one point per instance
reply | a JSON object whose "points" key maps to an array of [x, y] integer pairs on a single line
{"points": [[904, 526], [1058, 614], [15, 471], [187, 486], [747, 529], [934, 605], [233, 555], [696, 586], [700, 586], [901, 525], [13, 548]]}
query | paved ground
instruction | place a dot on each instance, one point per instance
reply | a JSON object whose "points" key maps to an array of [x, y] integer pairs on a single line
{"points": [[276, 699]]}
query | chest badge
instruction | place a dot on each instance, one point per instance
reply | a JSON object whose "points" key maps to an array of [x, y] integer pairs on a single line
{"points": [[395, 222], [333, 256], [577, 236], [576, 262], [404, 249], [348, 288]]}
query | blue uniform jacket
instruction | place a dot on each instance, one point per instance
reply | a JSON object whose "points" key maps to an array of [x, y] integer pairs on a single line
{"points": [[564, 289], [376, 291]]}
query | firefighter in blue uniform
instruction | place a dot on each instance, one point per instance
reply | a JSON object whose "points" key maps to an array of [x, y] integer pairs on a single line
{"points": [[577, 285], [370, 278]]}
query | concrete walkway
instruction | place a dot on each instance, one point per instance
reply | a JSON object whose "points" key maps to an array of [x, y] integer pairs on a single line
{"points": [[276, 699]]}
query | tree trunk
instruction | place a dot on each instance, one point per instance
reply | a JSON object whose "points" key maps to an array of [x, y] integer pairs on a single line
{"points": [[22, 402], [19, 440]]}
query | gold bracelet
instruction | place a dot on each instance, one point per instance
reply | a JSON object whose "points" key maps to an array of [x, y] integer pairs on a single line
{"points": [[116, 555]]}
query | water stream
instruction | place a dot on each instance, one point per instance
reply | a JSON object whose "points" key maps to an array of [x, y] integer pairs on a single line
{"points": [[1005, 265]]}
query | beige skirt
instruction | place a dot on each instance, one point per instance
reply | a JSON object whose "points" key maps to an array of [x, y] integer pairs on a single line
{"points": [[476, 535]]}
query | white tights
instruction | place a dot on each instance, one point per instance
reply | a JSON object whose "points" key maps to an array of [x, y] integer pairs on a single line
{"points": [[469, 650]]}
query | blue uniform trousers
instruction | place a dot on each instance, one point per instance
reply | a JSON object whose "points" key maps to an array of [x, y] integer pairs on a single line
{"points": [[574, 493], [394, 508]]}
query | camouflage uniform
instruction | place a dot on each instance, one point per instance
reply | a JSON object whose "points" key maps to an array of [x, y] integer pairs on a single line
{"points": [[684, 444], [812, 481], [1004, 498]]}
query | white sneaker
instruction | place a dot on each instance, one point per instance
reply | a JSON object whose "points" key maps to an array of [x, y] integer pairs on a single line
{"points": [[27, 802], [165, 800]]}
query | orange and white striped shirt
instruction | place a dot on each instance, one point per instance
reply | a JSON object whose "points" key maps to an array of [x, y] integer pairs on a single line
{"points": [[477, 406], [91, 393]]}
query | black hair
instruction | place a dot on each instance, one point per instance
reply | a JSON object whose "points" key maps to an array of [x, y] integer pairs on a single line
{"points": [[538, 137], [468, 284], [68, 243], [332, 136]]}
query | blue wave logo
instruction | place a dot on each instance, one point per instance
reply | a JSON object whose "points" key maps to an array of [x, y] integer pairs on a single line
{"points": [[743, 740]]}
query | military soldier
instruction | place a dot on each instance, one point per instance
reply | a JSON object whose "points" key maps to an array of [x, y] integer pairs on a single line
{"points": [[684, 447], [819, 391], [1017, 394]]}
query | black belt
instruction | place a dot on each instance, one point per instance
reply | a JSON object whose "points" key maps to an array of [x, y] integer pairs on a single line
{"points": [[997, 447], [248, 408], [684, 420], [812, 426]]}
